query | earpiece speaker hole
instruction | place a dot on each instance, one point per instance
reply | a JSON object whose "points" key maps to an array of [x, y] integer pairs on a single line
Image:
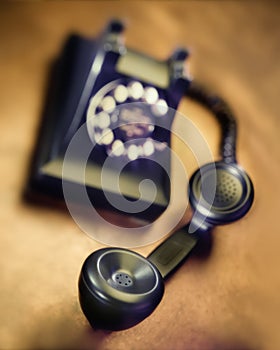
{"points": [[123, 279]]}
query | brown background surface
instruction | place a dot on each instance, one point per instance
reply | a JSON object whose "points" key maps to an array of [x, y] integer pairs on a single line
{"points": [[229, 300]]}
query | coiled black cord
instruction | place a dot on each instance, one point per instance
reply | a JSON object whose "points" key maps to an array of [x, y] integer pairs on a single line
{"points": [[223, 114]]}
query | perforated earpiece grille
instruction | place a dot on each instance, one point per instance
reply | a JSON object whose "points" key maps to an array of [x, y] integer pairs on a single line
{"points": [[221, 192], [123, 279], [228, 189]]}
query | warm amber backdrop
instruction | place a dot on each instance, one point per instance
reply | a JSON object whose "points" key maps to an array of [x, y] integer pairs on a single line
{"points": [[229, 300]]}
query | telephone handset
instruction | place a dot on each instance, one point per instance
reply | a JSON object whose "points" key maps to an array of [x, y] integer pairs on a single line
{"points": [[125, 103]]}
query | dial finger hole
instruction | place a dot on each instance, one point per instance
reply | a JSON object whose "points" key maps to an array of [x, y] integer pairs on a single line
{"points": [[160, 108], [121, 93], [108, 103], [150, 95], [135, 90]]}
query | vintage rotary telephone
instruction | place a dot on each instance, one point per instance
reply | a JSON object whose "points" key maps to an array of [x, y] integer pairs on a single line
{"points": [[94, 82], [119, 288]]}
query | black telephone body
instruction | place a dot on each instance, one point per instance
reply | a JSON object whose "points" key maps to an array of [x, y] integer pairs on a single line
{"points": [[127, 100]]}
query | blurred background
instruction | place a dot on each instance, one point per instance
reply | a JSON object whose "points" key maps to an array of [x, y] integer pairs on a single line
{"points": [[229, 300]]}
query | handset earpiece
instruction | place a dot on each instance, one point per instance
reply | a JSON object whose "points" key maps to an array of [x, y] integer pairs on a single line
{"points": [[221, 193], [118, 288]]}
